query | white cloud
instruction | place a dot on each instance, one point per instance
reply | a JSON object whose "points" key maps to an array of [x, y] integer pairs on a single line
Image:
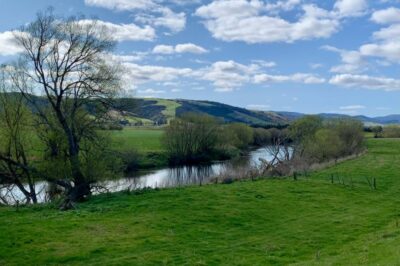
{"points": [[122, 4], [305, 78], [242, 20], [316, 65], [261, 107], [390, 51], [179, 48], [127, 57], [190, 48], [283, 5], [165, 18], [138, 74], [367, 82], [387, 44], [163, 49], [151, 91], [352, 61], [263, 63], [227, 75], [352, 107], [152, 12], [386, 16], [8, 45], [125, 32], [347, 8]]}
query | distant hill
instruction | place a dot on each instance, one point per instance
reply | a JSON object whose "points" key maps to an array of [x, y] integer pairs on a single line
{"points": [[381, 120], [159, 111], [153, 111]]}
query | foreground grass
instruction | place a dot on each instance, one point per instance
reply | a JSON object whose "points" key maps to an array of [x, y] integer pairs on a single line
{"points": [[304, 222]]}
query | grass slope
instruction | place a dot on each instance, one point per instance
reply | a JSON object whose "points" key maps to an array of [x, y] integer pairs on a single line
{"points": [[305, 222]]}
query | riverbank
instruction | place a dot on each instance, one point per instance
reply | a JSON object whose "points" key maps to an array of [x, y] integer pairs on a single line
{"points": [[308, 221], [141, 148]]}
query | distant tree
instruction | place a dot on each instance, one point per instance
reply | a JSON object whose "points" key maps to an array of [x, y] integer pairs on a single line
{"points": [[377, 130], [191, 138], [391, 131], [302, 132], [240, 135], [261, 136]]}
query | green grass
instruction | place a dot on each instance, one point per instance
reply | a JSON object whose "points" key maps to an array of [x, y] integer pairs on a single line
{"points": [[138, 139], [304, 222], [170, 107]]}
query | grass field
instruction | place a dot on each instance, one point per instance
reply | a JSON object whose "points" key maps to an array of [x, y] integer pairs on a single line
{"points": [[138, 139], [305, 222]]}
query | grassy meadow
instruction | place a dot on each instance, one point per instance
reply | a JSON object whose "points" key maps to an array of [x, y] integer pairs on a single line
{"points": [[281, 221], [143, 140], [145, 143]]}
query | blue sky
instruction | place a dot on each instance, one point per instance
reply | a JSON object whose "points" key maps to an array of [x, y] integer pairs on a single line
{"points": [[297, 55]]}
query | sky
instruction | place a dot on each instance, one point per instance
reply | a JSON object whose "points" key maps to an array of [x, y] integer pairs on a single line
{"points": [[333, 56]]}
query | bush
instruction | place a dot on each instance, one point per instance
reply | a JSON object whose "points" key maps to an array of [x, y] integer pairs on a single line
{"points": [[318, 141], [191, 138], [392, 131], [261, 137], [239, 135]]}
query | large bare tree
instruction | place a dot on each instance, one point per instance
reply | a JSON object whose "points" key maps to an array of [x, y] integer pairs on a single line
{"points": [[64, 61]]}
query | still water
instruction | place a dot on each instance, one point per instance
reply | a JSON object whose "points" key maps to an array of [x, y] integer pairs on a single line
{"points": [[166, 177]]}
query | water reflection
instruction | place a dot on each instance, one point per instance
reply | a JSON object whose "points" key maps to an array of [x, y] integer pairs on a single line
{"points": [[168, 177]]}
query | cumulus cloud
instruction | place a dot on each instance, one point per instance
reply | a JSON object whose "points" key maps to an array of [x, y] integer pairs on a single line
{"points": [[386, 16], [251, 22], [347, 8], [387, 44], [165, 17], [305, 78], [138, 74], [179, 48], [122, 4], [229, 75], [8, 45], [352, 61], [242, 20], [125, 32], [151, 12], [365, 81]]}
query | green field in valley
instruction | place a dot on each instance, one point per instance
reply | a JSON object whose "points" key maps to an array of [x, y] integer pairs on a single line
{"points": [[142, 145], [280, 221], [139, 139]]}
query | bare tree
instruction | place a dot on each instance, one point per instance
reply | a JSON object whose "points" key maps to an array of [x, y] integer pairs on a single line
{"points": [[279, 150], [64, 61]]}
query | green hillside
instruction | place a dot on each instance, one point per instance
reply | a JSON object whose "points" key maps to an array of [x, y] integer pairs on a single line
{"points": [[160, 111], [305, 222]]}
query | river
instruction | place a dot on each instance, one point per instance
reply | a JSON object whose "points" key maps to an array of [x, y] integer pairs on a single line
{"points": [[161, 178]]}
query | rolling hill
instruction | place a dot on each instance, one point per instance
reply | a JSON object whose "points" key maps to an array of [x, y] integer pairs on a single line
{"points": [[138, 111]]}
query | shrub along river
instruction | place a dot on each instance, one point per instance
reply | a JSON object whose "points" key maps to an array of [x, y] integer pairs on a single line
{"points": [[162, 178]]}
